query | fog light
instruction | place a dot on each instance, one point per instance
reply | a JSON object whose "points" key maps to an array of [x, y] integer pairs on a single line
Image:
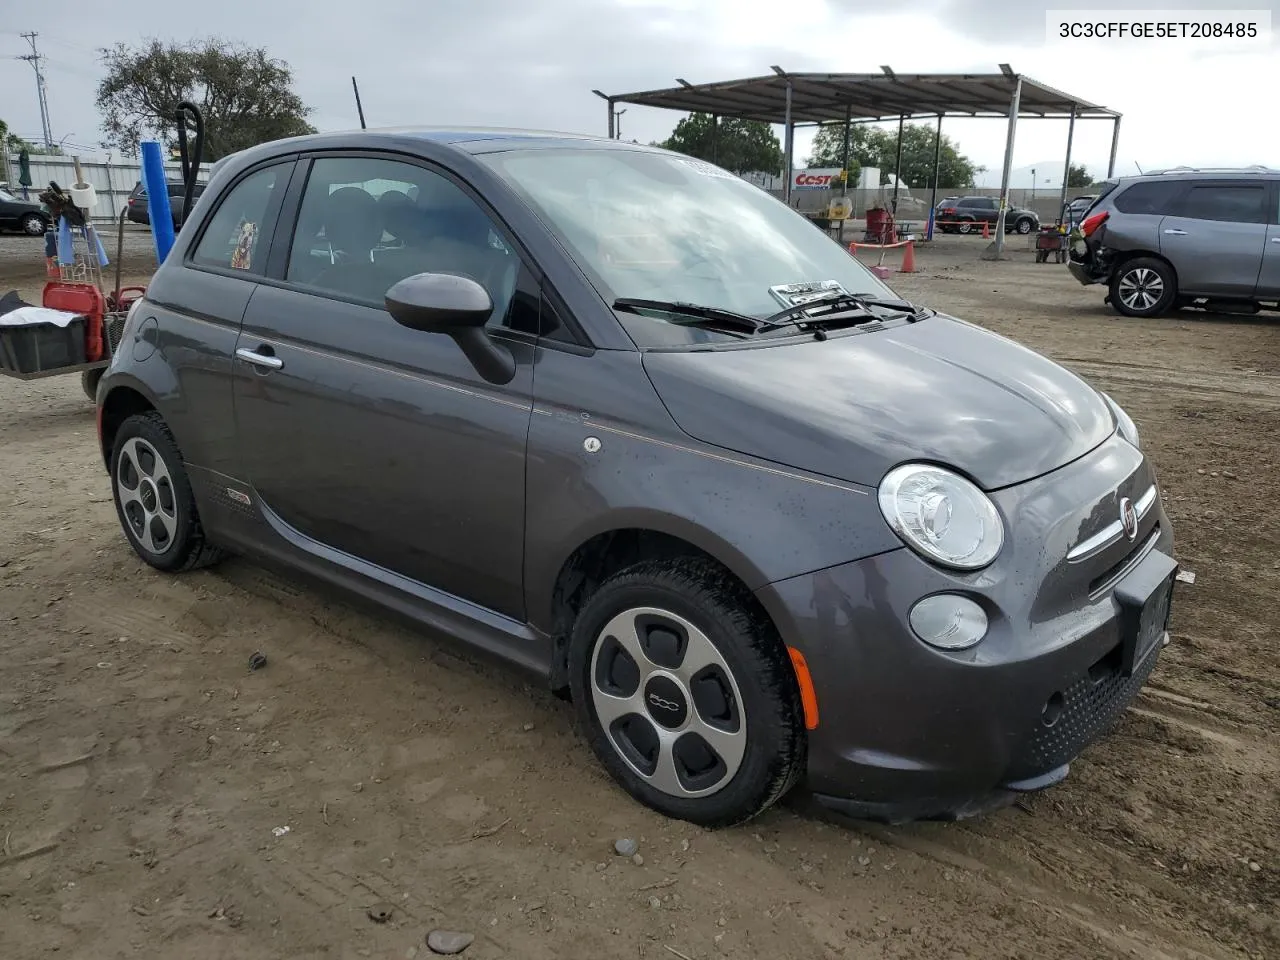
{"points": [[949, 621]]}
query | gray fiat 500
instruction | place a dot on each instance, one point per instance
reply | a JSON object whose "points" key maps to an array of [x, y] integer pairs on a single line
{"points": [[624, 420]]}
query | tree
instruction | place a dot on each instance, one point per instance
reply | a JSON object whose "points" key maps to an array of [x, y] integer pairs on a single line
{"points": [[742, 146], [245, 96], [1078, 176], [871, 146], [11, 142]]}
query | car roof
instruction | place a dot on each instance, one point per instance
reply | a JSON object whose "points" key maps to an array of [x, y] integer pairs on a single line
{"points": [[1188, 173], [470, 140]]}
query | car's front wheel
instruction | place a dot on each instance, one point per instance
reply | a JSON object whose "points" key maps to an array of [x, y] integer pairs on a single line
{"points": [[1143, 287], [1023, 225], [33, 225], [684, 690], [153, 497]]}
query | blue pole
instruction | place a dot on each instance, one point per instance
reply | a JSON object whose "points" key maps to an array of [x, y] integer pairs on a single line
{"points": [[157, 198]]}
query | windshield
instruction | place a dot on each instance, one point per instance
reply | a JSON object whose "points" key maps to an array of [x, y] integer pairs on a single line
{"points": [[660, 227]]}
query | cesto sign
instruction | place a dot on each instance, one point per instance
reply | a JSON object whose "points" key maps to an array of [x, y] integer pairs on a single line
{"points": [[814, 179]]}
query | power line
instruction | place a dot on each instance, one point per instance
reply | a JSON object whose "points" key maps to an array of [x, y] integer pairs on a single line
{"points": [[34, 58]]}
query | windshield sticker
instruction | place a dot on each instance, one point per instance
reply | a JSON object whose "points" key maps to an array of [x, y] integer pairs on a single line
{"points": [[243, 255], [794, 294], [706, 169]]}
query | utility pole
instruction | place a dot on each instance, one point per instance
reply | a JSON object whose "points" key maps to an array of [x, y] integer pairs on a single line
{"points": [[34, 59]]}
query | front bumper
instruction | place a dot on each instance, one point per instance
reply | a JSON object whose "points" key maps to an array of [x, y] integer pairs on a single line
{"points": [[909, 732]]}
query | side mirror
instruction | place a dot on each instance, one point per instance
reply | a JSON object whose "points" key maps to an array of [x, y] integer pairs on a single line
{"points": [[457, 307]]}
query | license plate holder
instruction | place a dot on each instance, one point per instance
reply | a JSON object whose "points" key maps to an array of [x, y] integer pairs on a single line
{"points": [[1146, 601]]}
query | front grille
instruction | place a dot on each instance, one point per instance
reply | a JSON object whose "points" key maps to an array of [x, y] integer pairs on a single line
{"points": [[1087, 710]]}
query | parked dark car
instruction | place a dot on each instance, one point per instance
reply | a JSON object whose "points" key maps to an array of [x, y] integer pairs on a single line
{"points": [[1074, 210], [27, 216], [1206, 238], [139, 212], [966, 215], [761, 519]]}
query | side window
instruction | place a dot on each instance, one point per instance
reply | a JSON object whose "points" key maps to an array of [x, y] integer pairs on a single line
{"points": [[1153, 197], [1230, 202], [231, 240], [367, 223]]}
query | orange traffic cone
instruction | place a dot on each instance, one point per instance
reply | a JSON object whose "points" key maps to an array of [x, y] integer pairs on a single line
{"points": [[908, 259], [986, 230]]}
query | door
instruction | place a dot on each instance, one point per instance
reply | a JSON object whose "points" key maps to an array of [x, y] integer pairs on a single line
{"points": [[193, 313], [1269, 276], [982, 208], [1214, 236], [372, 439]]}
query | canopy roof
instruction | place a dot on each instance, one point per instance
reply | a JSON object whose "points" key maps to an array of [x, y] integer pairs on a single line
{"points": [[825, 97]]}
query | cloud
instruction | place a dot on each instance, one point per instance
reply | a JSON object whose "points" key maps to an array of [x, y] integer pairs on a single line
{"points": [[501, 62]]}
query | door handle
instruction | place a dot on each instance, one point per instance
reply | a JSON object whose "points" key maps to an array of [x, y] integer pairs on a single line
{"points": [[1176, 233], [265, 360]]}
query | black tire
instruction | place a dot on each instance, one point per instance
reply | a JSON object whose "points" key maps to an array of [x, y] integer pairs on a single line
{"points": [[724, 612], [33, 225], [964, 226], [1143, 287], [187, 548], [89, 383], [1023, 225]]}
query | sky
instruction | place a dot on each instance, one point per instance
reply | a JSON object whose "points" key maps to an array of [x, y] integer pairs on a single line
{"points": [[510, 63]]}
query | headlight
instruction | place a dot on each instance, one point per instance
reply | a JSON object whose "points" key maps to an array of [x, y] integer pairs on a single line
{"points": [[1128, 429], [941, 516]]}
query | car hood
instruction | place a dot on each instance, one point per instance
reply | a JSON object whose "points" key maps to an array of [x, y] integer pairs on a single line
{"points": [[855, 406]]}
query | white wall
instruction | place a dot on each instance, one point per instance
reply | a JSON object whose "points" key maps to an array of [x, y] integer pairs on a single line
{"points": [[113, 181]]}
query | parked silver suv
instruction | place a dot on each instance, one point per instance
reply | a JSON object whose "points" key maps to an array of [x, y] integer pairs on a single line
{"points": [[1185, 237]]}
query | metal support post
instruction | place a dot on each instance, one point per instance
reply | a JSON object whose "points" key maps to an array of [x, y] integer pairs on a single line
{"points": [[1015, 106], [937, 166], [788, 148], [1066, 165], [1115, 142], [897, 165]]}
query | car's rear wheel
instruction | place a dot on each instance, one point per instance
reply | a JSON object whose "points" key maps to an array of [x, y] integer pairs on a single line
{"points": [[964, 226], [684, 691], [1143, 287], [153, 497], [32, 225]]}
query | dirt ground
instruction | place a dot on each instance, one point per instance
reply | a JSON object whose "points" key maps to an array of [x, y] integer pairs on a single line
{"points": [[144, 769]]}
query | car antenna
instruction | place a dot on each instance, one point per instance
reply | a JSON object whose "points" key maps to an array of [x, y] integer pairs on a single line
{"points": [[359, 108], [1135, 163]]}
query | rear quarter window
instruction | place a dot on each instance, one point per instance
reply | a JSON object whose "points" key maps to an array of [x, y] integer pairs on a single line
{"points": [[1154, 197]]}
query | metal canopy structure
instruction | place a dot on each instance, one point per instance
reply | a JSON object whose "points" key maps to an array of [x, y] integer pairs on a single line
{"points": [[800, 99]]}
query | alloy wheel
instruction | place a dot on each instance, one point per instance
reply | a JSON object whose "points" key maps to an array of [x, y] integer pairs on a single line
{"points": [[33, 226], [146, 495], [668, 702], [1141, 289]]}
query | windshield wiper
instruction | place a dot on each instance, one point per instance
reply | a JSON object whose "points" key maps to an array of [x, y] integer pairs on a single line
{"points": [[711, 318], [838, 303]]}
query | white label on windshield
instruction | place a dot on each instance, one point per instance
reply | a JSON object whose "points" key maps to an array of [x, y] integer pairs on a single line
{"points": [[706, 169], [793, 294]]}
